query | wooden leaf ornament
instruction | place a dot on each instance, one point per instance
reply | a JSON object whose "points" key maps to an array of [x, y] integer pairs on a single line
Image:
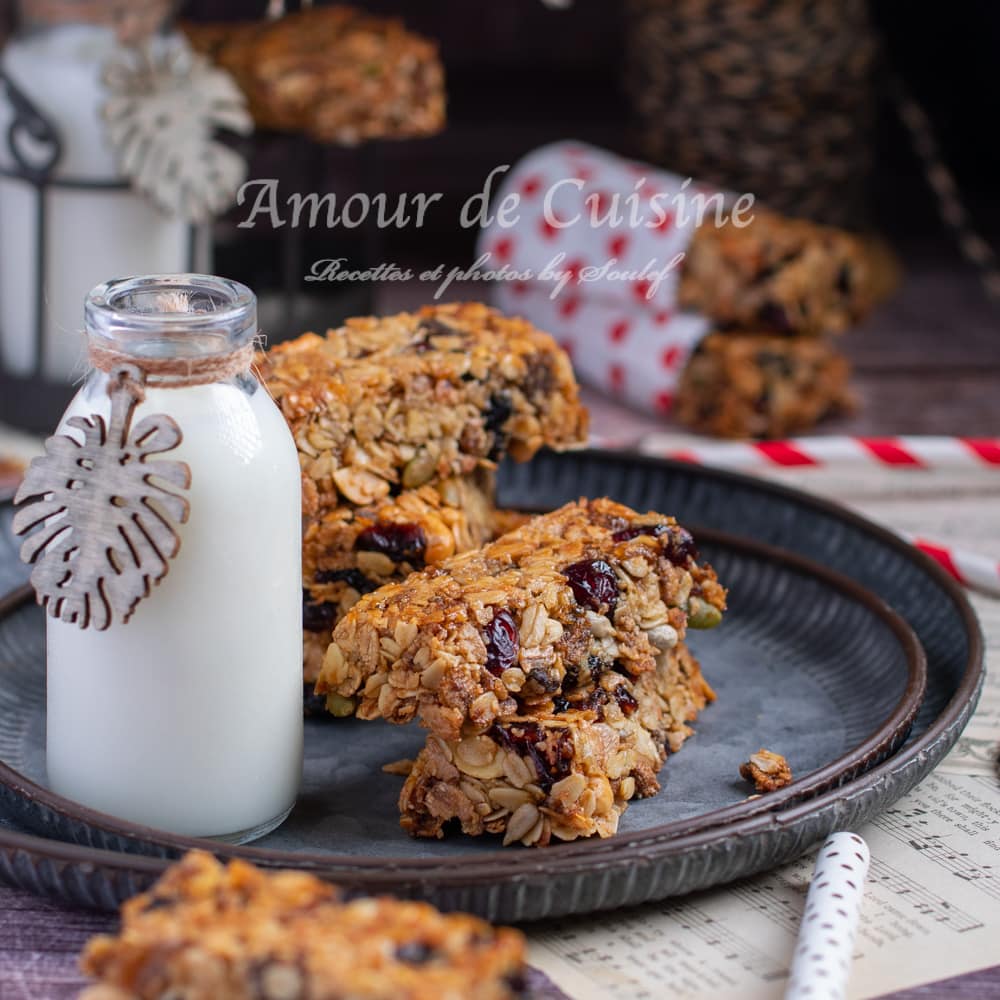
{"points": [[102, 517], [163, 108]]}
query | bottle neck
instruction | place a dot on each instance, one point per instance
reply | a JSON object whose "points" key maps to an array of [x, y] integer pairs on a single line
{"points": [[179, 330]]}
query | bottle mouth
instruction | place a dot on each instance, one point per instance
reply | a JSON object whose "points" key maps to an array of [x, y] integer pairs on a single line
{"points": [[172, 315]]}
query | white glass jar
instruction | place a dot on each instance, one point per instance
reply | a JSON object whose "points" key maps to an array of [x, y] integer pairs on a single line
{"points": [[189, 717], [79, 220]]}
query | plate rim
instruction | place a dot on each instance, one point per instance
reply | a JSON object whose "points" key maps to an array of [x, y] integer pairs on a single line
{"points": [[880, 743]]}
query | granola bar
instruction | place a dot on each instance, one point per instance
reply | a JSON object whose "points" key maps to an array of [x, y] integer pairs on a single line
{"points": [[777, 274], [569, 769], [338, 74], [387, 404], [540, 612], [533, 778], [211, 932], [758, 385], [352, 551]]}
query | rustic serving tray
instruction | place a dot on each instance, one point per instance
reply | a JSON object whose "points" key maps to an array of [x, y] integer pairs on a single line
{"points": [[805, 663]]}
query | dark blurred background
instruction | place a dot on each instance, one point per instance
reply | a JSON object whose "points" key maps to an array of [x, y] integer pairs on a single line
{"points": [[520, 74]]}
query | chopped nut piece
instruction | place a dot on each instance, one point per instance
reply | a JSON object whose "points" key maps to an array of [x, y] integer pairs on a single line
{"points": [[400, 767], [768, 771]]}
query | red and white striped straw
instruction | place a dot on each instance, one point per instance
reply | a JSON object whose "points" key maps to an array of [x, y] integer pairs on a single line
{"points": [[971, 569], [915, 452]]}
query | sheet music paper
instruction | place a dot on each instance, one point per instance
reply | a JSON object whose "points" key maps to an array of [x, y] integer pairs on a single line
{"points": [[932, 901]]}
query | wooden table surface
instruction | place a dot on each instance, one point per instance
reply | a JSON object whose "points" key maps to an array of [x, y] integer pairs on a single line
{"points": [[927, 362]]}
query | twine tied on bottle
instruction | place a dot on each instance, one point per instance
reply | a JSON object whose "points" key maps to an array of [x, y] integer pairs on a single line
{"points": [[175, 373]]}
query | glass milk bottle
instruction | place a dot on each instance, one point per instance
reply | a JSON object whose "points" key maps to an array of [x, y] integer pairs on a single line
{"points": [[189, 717]]}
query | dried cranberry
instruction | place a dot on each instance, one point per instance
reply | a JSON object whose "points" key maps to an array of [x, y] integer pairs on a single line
{"points": [[544, 680], [772, 316], [428, 328], [502, 643], [678, 545], [496, 415], [594, 584], [400, 542], [596, 666], [550, 750], [498, 412], [680, 548], [627, 534], [540, 379], [845, 280], [318, 616], [626, 702], [593, 701], [415, 953], [352, 577]]}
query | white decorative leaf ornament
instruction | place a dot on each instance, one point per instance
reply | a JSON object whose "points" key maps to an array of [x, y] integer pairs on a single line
{"points": [[162, 111], [102, 517]]}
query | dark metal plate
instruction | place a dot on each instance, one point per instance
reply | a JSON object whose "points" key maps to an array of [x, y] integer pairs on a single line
{"points": [[678, 841]]}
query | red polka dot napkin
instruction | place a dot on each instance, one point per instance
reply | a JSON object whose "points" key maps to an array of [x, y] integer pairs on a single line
{"points": [[588, 246]]}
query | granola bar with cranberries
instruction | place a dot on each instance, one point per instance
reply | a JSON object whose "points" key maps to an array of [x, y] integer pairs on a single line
{"points": [[533, 778], [543, 610], [756, 385], [208, 931], [393, 403], [787, 276]]}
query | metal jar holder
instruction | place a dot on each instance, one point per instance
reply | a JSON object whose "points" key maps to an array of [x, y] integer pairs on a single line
{"points": [[35, 401]]}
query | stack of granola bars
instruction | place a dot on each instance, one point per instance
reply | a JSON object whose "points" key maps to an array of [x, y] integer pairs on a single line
{"points": [[775, 289], [549, 666], [549, 663], [399, 422]]}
